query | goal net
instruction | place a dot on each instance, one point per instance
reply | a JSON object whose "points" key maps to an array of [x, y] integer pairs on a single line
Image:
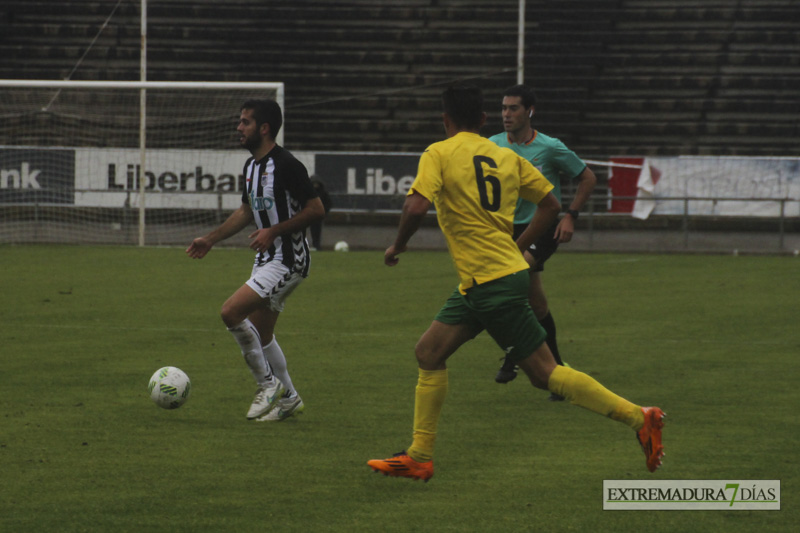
{"points": [[120, 162]]}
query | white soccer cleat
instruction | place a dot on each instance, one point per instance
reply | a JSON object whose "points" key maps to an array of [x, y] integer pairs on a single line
{"points": [[265, 399], [284, 408]]}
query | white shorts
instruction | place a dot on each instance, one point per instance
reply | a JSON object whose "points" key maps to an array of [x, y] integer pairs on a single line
{"points": [[273, 281]]}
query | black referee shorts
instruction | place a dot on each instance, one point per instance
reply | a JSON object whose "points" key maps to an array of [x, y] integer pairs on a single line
{"points": [[542, 249]]}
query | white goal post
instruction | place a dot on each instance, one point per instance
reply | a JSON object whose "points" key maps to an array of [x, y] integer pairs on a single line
{"points": [[119, 162]]}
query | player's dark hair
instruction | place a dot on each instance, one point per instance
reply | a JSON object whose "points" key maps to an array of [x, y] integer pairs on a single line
{"points": [[266, 111], [464, 105], [526, 94]]}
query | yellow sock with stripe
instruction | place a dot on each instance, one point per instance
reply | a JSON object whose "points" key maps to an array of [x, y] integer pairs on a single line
{"points": [[429, 398], [584, 391]]}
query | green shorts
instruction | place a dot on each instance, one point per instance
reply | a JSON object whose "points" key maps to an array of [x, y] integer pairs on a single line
{"points": [[501, 308]]}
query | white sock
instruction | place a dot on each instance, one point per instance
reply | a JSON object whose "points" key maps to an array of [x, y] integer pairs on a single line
{"points": [[249, 341], [277, 361]]}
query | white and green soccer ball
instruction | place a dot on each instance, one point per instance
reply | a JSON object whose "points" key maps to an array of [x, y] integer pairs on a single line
{"points": [[341, 246], [169, 387]]}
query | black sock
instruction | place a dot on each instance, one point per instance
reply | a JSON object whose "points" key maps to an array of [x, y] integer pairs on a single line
{"points": [[549, 326]]}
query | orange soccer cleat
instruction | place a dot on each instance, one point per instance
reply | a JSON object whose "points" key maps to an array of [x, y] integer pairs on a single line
{"points": [[401, 465], [649, 436]]}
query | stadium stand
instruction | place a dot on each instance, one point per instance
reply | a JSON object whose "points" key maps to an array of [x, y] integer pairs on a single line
{"points": [[639, 77]]}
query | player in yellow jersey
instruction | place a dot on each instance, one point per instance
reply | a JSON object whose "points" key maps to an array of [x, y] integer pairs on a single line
{"points": [[475, 185]]}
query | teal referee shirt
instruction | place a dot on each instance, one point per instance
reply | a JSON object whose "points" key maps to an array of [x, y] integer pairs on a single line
{"points": [[551, 157]]}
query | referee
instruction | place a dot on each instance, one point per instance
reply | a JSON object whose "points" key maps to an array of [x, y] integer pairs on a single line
{"points": [[553, 159]]}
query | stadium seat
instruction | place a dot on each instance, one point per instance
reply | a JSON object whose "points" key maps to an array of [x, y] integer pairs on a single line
{"points": [[613, 78]]}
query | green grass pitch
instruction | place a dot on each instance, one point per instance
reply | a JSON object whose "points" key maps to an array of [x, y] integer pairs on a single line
{"points": [[713, 340]]}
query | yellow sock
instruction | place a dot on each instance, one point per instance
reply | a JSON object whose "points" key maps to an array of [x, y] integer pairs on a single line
{"points": [[584, 391], [429, 398]]}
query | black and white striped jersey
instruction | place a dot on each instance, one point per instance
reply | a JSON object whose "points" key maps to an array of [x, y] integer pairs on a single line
{"points": [[276, 188]]}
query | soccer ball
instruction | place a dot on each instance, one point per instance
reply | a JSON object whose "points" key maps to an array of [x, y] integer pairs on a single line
{"points": [[169, 387], [341, 246]]}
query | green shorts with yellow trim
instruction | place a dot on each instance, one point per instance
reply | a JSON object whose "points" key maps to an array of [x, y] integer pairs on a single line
{"points": [[501, 308]]}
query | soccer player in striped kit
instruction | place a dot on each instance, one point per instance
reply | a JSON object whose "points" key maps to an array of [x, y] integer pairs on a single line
{"points": [[280, 199]]}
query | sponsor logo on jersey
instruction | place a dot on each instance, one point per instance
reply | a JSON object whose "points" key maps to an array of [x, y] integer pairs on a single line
{"points": [[261, 203]]}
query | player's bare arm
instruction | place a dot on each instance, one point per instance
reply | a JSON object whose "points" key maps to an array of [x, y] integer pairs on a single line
{"points": [[414, 209], [546, 212], [262, 239], [566, 228], [237, 221]]}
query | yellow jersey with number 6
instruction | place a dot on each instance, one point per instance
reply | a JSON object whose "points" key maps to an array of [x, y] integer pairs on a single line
{"points": [[474, 185]]}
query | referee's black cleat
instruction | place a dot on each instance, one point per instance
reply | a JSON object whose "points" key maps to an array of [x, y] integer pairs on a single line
{"points": [[507, 372]]}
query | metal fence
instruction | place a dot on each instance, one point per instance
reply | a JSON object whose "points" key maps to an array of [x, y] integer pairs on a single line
{"points": [[597, 229]]}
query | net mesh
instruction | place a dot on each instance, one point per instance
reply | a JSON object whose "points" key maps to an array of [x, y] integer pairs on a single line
{"points": [[70, 163]]}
